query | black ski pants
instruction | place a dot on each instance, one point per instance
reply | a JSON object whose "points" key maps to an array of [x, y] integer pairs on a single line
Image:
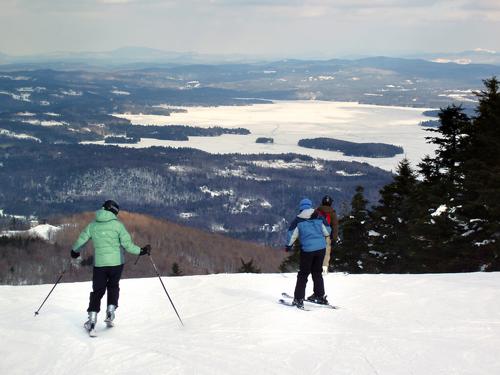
{"points": [[310, 263], [105, 278]]}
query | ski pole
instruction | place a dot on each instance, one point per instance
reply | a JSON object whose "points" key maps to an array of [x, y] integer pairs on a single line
{"points": [[163, 285], [138, 256], [46, 298]]}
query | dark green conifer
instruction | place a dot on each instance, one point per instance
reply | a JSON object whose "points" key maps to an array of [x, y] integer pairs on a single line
{"points": [[480, 203], [352, 254], [248, 267], [176, 271], [393, 220]]}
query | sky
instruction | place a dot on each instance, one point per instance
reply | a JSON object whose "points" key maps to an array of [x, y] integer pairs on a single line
{"points": [[260, 28]]}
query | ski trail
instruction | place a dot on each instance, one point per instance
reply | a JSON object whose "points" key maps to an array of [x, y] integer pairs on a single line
{"points": [[371, 365], [391, 324]]}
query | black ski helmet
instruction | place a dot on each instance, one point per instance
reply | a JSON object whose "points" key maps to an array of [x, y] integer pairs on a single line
{"points": [[327, 200], [111, 206]]}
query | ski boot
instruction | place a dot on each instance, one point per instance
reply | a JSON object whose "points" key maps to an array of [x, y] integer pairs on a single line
{"points": [[90, 324], [110, 315], [319, 300], [299, 302]]}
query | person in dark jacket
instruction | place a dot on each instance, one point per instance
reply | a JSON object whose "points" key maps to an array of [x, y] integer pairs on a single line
{"points": [[108, 236], [311, 230], [326, 210]]}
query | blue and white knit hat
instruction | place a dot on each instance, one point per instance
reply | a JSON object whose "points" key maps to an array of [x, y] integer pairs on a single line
{"points": [[305, 204]]}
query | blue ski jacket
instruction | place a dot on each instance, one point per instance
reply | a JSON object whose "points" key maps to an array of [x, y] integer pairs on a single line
{"points": [[310, 230]]}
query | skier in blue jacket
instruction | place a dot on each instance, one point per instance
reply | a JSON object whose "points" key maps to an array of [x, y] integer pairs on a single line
{"points": [[311, 230]]}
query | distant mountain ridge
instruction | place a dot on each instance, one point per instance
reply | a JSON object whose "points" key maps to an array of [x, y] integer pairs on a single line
{"points": [[476, 56], [120, 56], [146, 55]]}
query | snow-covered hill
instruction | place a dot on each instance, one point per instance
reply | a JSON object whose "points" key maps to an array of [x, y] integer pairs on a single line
{"points": [[387, 324], [44, 231]]}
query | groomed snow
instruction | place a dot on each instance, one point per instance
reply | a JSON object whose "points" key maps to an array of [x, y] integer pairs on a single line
{"points": [[289, 121], [387, 324]]}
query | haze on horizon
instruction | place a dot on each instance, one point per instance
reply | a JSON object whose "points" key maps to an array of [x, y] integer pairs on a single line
{"points": [[263, 28]]}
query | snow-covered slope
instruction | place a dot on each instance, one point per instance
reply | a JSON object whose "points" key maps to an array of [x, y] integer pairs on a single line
{"points": [[45, 231], [387, 324]]}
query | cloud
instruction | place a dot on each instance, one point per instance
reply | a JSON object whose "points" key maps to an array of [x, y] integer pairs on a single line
{"points": [[288, 7], [118, 2], [482, 5], [259, 26]]}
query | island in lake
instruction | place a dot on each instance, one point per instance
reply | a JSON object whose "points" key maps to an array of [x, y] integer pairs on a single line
{"points": [[369, 150]]}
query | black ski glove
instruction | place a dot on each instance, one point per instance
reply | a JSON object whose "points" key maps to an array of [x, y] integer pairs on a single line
{"points": [[145, 250], [74, 254]]}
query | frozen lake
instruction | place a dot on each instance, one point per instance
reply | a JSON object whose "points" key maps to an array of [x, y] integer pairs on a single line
{"points": [[289, 121]]}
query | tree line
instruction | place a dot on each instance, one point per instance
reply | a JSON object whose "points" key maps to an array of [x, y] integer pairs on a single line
{"points": [[177, 250], [443, 215]]}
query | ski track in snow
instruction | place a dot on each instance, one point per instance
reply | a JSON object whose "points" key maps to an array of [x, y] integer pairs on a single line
{"points": [[387, 324]]}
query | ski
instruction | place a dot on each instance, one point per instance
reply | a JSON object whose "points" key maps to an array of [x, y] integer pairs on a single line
{"points": [[109, 323], [286, 303], [90, 330], [286, 295]]}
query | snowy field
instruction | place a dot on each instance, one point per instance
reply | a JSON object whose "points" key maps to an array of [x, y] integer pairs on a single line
{"points": [[387, 324], [289, 121]]}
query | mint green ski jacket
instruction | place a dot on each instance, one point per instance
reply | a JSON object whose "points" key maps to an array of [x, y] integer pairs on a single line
{"points": [[109, 236]]}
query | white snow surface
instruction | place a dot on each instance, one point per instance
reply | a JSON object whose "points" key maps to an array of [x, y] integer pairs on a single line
{"points": [[10, 134], [440, 210], [45, 122], [44, 231], [386, 324], [346, 174], [120, 92], [289, 121]]}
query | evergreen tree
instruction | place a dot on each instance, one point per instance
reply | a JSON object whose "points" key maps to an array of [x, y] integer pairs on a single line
{"points": [[393, 220], [176, 271], [428, 170], [481, 170], [352, 255], [450, 143], [292, 262], [248, 267], [436, 229]]}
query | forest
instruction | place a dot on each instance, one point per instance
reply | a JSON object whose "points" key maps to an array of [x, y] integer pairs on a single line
{"points": [[172, 132], [249, 197], [178, 250], [369, 150]]}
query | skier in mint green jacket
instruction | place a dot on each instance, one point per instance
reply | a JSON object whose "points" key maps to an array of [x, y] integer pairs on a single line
{"points": [[108, 236]]}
